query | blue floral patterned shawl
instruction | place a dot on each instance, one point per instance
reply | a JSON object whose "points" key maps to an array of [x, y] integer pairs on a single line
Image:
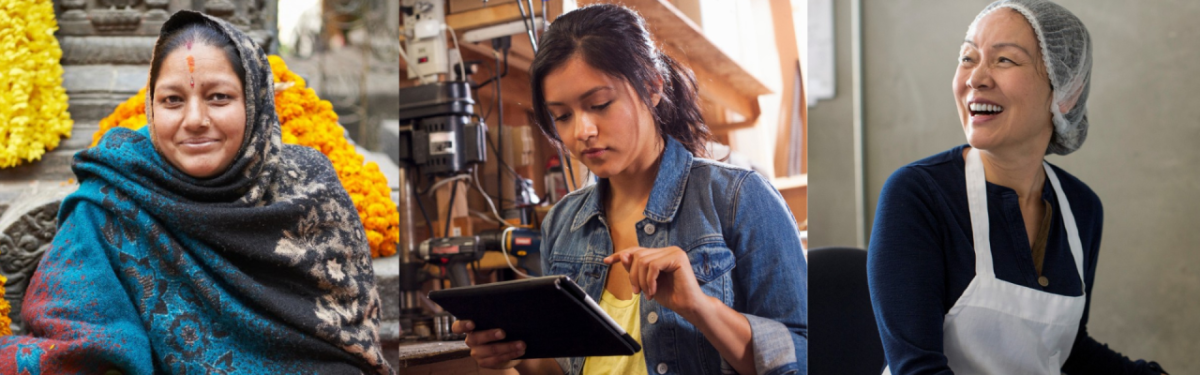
{"points": [[263, 269]]}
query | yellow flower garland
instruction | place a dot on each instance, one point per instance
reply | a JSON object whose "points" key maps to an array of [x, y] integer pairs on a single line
{"points": [[307, 120], [33, 103], [5, 322]]}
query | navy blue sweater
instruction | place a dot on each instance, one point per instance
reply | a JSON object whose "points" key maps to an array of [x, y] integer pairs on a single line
{"points": [[922, 258]]}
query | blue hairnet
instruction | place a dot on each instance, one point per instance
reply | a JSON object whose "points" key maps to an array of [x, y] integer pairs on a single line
{"points": [[1067, 51]]}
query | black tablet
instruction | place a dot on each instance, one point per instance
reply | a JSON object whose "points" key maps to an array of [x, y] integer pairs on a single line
{"points": [[553, 316]]}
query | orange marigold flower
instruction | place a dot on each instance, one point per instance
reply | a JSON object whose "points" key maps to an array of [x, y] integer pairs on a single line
{"points": [[130, 114]]}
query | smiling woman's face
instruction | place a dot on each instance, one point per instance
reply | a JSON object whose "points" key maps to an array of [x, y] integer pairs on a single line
{"points": [[1001, 87], [199, 116]]}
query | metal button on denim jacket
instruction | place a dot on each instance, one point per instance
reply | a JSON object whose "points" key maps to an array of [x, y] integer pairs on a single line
{"points": [[744, 247]]}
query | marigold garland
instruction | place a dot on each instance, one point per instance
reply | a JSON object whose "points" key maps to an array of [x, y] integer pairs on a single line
{"points": [[33, 102], [307, 120], [5, 322], [131, 114]]}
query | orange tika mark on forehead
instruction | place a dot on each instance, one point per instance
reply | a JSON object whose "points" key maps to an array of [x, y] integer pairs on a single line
{"points": [[191, 69]]}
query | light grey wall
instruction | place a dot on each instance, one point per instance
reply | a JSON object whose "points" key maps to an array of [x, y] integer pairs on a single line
{"points": [[831, 151], [1140, 156]]}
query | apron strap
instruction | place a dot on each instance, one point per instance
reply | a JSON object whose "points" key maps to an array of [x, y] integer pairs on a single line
{"points": [[1069, 222], [977, 202], [981, 228]]}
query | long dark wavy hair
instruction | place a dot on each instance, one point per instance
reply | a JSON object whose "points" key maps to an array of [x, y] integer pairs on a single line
{"points": [[614, 40]]}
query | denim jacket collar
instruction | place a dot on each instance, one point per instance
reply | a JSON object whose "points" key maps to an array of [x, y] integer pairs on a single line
{"points": [[665, 197]]}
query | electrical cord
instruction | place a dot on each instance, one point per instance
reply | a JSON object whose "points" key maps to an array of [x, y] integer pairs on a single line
{"points": [[571, 169], [516, 175], [485, 216], [449, 209], [499, 136], [428, 223], [475, 91], [488, 199], [562, 160], [497, 105], [497, 55], [411, 64], [504, 248], [462, 69], [443, 182], [407, 60], [496, 79]]}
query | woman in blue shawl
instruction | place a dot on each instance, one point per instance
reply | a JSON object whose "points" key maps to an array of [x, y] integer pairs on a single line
{"points": [[201, 244]]}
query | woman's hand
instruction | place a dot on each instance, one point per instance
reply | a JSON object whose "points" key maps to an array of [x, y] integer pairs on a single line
{"points": [[664, 275], [487, 354]]}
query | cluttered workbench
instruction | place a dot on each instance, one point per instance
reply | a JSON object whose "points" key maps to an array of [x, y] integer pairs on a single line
{"points": [[418, 354]]}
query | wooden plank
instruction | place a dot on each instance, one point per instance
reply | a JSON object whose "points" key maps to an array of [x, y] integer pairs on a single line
{"points": [[459, 6], [789, 64], [795, 193], [726, 127], [793, 182], [712, 113], [488, 16], [717, 90], [669, 26], [797, 201]]}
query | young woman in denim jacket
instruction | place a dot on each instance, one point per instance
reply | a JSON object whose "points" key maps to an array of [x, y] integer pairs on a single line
{"points": [[712, 248]]}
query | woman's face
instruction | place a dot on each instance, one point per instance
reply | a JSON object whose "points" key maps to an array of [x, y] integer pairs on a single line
{"points": [[601, 120], [199, 114], [1001, 87]]}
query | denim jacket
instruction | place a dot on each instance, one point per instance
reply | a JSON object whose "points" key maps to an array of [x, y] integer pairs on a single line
{"points": [[744, 247]]}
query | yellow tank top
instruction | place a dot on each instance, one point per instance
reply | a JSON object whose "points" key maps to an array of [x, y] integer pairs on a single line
{"points": [[627, 314]]}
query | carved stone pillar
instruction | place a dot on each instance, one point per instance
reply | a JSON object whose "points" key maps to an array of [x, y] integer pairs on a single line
{"points": [[26, 229]]}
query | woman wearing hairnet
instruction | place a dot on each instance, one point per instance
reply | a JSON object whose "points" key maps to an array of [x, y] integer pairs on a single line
{"points": [[983, 257]]}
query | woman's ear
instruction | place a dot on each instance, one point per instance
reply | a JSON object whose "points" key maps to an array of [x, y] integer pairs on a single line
{"points": [[656, 89], [1069, 103]]}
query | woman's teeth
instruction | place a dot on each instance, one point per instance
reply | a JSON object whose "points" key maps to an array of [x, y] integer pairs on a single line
{"points": [[981, 108]]}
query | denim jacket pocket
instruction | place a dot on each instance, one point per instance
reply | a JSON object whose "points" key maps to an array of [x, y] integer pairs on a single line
{"points": [[710, 259], [570, 269]]}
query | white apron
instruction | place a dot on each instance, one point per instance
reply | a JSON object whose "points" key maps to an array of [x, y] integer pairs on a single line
{"points": [[997, 327]]}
